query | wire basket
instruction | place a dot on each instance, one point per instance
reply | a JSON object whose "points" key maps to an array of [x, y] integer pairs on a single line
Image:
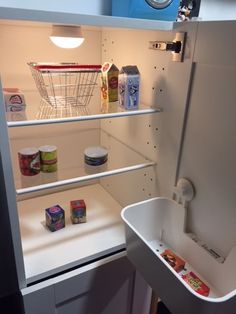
{"points": [[65, 88]]}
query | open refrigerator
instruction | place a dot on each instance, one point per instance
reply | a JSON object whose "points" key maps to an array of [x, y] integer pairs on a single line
{"points": [[171, 135]]}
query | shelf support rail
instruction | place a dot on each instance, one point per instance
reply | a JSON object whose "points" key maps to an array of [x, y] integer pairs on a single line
{"points": [[62, 183]]}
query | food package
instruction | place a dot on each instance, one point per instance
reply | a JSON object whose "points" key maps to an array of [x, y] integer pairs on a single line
{"points": [[109, 82], [78, 211], [95, 155], [14, 100], [29, 161], [173, 260], [196, 284], [129, 85], [55, 218], [48, 158]]}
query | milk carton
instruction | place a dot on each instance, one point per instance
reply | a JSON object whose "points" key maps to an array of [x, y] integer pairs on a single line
{"points": [[109, 82], [129, 83]]}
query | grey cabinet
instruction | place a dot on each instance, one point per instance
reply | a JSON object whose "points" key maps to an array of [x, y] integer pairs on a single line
{"points": [[103, 287]]}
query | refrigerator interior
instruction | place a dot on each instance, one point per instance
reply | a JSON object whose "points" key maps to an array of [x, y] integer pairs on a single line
{"points": [[147, 153], [130, 175]]}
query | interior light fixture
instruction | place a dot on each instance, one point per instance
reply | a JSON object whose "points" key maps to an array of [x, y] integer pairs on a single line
{"points": [[67, 36]]}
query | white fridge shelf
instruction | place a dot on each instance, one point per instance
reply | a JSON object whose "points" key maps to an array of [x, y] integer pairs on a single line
{"points": [[71, 166], [75, 180], [9, 13], [20, 119], [47, 253]]}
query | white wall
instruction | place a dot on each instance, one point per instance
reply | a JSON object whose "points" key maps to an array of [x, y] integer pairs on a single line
{"points": [[211, 10]]}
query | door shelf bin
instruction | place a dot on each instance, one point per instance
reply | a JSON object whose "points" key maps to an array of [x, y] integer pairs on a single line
{"points": [[152, 226]]}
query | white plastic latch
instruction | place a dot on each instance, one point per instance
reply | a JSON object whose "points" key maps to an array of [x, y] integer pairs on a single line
{"points": [[183, 192]]}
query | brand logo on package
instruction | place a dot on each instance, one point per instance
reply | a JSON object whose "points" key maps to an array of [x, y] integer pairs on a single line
{"points": [[159, 4], [15, 99]]}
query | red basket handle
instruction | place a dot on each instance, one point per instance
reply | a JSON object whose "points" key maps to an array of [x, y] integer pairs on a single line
{"points": [[67, 66]]}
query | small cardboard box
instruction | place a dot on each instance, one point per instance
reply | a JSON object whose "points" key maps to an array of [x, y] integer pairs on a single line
{"points": [[129, 84], [109, 82], [78, 211], [14, 100], [173, 260], [55, 218], [196, 283]]}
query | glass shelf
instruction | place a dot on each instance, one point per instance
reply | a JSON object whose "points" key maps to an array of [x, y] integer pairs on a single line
{"points": [[71, 166], [27, 119]]}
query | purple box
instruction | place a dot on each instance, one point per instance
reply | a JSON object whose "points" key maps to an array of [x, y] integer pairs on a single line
{"points": [[55, 218]]}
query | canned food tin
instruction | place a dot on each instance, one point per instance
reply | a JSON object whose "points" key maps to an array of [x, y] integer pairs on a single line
{"points": [[48, 158], [95, 156], [29, 161]]}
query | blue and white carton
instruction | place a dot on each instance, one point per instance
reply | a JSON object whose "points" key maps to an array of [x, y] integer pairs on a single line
{"points": [[129, 86]]}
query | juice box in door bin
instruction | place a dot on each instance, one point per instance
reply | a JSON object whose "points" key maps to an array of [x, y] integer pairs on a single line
{"points": [[196, 283], [129, 84], [173, 260], [109, 82]]}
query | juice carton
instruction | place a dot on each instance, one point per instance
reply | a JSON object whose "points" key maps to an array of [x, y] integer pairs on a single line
{"points": [[109, 82], [129, 84]]}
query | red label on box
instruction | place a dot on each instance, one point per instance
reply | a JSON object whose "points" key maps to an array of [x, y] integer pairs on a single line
{"points": [[77, 204], [196, 284]]}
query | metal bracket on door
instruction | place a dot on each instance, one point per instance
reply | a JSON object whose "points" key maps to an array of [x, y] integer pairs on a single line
{"points": [[176, 46]]}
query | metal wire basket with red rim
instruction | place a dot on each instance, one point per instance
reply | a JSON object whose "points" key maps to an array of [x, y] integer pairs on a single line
{"points": [[63, 85]]}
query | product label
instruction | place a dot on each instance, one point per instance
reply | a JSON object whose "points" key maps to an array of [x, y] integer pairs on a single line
{"points": [[15, 99], [29, 164], [48, 161]]}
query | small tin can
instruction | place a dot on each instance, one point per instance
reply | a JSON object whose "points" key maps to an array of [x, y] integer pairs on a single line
{"points": [[48, 158], [95, 156], [29, 161]]}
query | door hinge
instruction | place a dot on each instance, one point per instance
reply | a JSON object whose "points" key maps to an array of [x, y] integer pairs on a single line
{"points": [[176, 46]]}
